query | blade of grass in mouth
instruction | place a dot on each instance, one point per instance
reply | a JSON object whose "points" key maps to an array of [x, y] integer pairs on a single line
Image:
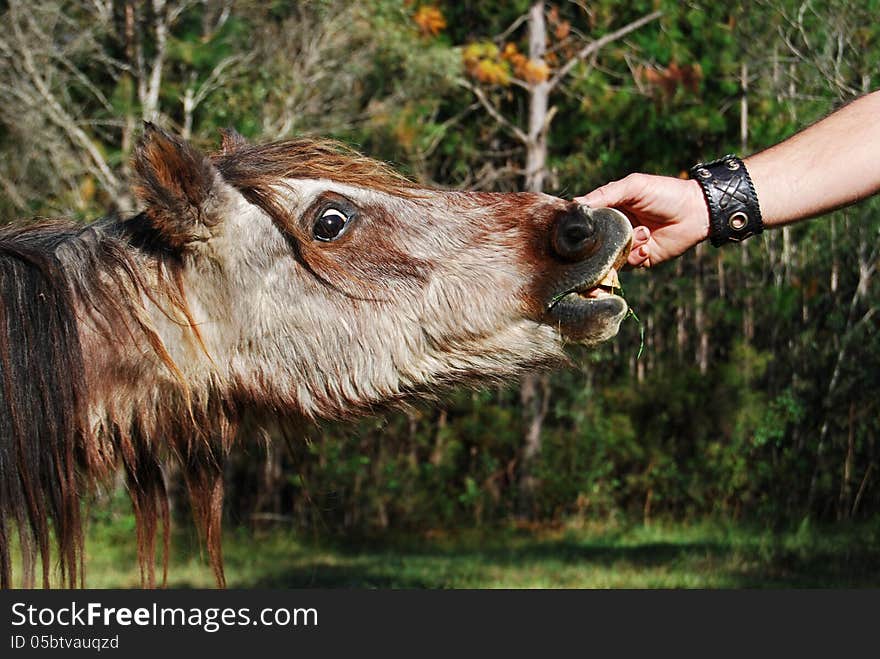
{"points": [[632, 314]]}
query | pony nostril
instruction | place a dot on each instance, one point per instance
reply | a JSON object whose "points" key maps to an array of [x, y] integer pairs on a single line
{"points": [[575, 236]]}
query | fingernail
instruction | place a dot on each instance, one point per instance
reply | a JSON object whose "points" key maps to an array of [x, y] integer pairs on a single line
{"points": [[641, 233]]}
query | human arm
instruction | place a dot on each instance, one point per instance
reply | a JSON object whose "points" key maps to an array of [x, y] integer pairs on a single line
{"points": [[833, 163]]}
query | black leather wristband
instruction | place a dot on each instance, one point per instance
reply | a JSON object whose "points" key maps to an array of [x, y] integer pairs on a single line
{"points": [[734, 212]]}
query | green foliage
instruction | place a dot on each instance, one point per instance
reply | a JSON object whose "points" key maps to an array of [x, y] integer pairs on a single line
{"points": [[756, 393]]}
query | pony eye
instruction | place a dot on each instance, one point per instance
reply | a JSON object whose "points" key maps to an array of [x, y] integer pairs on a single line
{"points": [[329, 226]]}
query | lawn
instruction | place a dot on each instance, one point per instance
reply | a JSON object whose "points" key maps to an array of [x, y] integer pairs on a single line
{"points": [[671, 555]]}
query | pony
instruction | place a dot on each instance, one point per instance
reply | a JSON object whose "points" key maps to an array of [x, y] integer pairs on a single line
{"points": [[293, 280]]}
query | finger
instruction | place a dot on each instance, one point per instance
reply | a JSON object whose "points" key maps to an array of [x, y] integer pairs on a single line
{"points": [[635, 260], [641, 235], [640, 257]]}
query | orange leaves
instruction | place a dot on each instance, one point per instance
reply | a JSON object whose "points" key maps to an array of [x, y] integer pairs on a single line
{"points": [[491, 72], [485, 63], [87, 189], [430, 20], [561, 28], [668, 80], [516, 58], [533, 71]]}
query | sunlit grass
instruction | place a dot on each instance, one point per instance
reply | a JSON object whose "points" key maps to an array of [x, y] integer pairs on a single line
{"points": [[703, 555]]}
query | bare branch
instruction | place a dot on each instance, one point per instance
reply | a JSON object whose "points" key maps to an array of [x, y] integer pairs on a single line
{"points": [[598, 44], [103, 9], [54, 110], [510, 30], [83, 79], [175, 10], [493, 111], [444, 128], [522, 84], [489, 175], [219, 76], [315, 59], [12, 193], [549, 118]]}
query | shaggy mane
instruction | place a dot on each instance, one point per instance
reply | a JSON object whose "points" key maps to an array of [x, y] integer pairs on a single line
{"points": [[55, 276]]}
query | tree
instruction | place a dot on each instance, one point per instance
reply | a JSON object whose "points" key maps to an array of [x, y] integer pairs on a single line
{"points": [[535, 77]]}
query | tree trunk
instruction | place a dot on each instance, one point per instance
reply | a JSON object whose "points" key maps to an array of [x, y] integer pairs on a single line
{"points": [[681, 333], [701, 325], [843, 504], [152, 86], [539, 95], [748, 330], [835, 260], [535, 400], [534, 394]]}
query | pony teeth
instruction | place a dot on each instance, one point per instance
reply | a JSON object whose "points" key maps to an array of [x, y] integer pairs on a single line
{"points": [[611, 279]]}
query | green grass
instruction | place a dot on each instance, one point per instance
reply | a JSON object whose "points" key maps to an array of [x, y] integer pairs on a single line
{"points": [[704, 555]]}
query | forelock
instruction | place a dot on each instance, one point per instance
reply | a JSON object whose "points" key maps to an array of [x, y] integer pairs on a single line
{"points": [[257, 170]]}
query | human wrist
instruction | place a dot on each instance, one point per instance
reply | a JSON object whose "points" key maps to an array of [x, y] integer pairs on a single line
{"points": [[697, 214]]}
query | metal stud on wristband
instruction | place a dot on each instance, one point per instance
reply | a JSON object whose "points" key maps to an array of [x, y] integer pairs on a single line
{"points": [[734, 212]]}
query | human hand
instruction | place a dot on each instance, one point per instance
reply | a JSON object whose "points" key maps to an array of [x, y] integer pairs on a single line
{"points": [[669, 215]]}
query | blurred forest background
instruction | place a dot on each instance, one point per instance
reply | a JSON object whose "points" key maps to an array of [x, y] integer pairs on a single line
{"points": [[755, 397]]}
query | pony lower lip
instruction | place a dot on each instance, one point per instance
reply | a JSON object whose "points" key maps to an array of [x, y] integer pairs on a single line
{"points": [[598, 291]]}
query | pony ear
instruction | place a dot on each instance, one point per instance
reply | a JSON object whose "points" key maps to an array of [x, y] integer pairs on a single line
{"points": [[176, 183], [231, 140]]}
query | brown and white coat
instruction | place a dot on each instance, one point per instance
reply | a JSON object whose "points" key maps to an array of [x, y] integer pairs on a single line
{"points": [[296, 279]]}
